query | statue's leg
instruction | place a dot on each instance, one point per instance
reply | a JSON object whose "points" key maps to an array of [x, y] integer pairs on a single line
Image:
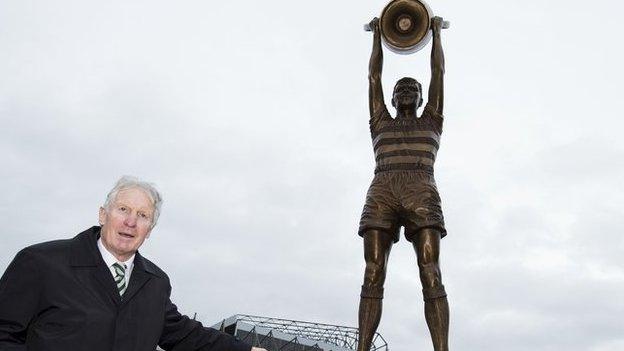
{"points": [[377, 245], [427, 246]]}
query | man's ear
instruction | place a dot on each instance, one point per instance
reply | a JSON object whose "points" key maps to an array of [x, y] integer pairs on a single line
{"points": [[102, 216]]}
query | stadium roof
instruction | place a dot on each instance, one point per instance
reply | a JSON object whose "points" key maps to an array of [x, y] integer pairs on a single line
{"points": [[282, 334]]}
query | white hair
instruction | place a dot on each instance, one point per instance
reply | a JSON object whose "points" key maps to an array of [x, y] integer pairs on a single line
{"points": [[129, 182]]}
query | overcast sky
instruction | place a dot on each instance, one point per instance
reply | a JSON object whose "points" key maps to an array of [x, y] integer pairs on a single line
{"points": [[252, 119]]}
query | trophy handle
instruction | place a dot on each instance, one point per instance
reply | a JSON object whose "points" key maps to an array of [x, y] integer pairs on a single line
{"points": [[445, 25]]}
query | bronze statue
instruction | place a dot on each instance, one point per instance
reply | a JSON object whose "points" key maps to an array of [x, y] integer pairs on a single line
{"points": [[403, 191]]}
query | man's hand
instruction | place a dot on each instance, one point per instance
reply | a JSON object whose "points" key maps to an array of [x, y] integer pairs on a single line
{"points": [[436, 24], [257, 349]]}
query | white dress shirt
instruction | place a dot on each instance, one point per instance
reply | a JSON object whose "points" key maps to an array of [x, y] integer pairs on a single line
{"points": [[110, 260]]}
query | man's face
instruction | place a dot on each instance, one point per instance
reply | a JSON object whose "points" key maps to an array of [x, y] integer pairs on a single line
{"points": [[405, 95], [127, 222]]}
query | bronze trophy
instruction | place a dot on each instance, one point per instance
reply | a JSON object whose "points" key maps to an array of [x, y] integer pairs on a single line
{"points": [[403, 192], [406, 25]]}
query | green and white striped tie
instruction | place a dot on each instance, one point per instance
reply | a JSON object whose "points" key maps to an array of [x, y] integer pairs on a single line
{"points": [[120, 277]]}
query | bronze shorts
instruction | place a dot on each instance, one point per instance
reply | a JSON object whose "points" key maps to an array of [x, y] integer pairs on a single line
{"points": [[402, 198]]}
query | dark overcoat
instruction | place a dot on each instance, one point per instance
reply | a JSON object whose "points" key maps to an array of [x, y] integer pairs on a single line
{"points": [[60, 296]]}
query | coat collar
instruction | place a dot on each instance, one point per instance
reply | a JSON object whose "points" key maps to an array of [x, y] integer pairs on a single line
{"points": [[84, 253]]}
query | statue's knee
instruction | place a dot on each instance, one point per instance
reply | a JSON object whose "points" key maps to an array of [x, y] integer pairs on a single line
{"points": [[374, 273], [430, 274], [372, 292], [432, 282]]}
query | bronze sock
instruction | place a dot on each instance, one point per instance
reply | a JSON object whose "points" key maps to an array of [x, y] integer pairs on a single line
{"points": [[437, 316], [369, 317]]}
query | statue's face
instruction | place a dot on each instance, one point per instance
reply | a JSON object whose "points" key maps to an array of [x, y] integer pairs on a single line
{"points": [[405, 95]]}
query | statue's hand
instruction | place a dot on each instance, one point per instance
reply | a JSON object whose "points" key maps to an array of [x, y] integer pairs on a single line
{"points": [[436, 23], [374, 25]]}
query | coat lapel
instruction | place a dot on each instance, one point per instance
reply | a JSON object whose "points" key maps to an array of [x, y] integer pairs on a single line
{"points": [[140, 275], [93, 274], [107, 283], [90, 268]]}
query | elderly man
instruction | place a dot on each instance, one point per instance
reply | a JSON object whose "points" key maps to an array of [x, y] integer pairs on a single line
{"points": [[96, 292]]}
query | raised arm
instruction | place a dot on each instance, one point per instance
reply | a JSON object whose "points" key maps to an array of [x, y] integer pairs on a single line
{"points": [[436, 86], [375, 92]]}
